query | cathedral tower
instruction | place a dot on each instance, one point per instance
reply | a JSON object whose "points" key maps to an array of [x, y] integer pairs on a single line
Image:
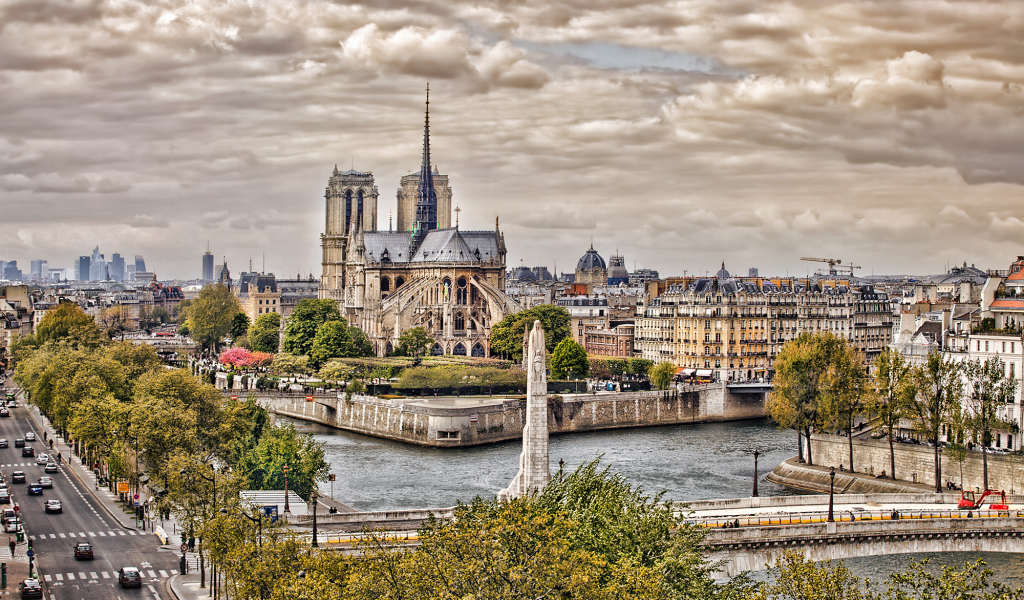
{"points": [[426, 197]]}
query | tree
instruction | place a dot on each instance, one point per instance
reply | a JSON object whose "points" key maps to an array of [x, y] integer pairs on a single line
{"points": [[938, 388], [235, 358], [507, 336], [263, 465], [302, 326], [802, 381], [211, 315], [990, 390], [639, 367], [843, 390], [239, 325], [289, 364], [114, 321], [891, 401], [264, 333], [69, 322], [332, 341], [415, 342], [661, 375], [569, 360], [361, 344]]}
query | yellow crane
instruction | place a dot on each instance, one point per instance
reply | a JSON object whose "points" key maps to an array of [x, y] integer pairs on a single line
{"points": [[832, 262]]}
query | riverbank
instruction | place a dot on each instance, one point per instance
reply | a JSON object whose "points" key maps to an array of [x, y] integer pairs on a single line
{"points": [[815, 479]]}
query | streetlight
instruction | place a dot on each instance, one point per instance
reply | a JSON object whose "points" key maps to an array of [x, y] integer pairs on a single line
{"points": [[831, 490], [286, 510], [314, 497], [756, 453]]}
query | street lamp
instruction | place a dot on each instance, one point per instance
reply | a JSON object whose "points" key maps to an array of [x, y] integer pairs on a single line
{"points": [[286, 510], [314, 497], [831, 490], [756, 453]]}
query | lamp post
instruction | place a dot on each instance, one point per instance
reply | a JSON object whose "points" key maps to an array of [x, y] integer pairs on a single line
{"points": [[756, 453], [315, 498], [286, 509], [831, 490]]}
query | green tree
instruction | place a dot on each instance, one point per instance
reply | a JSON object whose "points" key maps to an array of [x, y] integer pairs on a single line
{"points": [[289, 364], [239, 326], [69, 323], [301, 328], [843, 390], [415, 342], [332, 341], [990, 389], [639, 367], [892, 397], [569, 360], [661, 375], [211, 315], [361, 344], [507, 335], [938, 389], [263, 466], [264, 333]]}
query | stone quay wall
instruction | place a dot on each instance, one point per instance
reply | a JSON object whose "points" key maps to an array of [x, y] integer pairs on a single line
{"points": [[916, 464], [497, 419]]}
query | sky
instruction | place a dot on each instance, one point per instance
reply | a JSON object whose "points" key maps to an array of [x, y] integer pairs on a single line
{"points": [[887, 133]]}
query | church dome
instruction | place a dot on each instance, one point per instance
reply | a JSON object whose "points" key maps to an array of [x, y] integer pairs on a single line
{"points": [[523, 274], [722, 273], [591, 260]]}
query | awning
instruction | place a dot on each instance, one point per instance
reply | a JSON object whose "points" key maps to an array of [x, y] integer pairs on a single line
{"points": [[704, 372]]}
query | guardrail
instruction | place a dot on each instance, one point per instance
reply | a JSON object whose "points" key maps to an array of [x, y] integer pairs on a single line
{"points": [[730, 521]]}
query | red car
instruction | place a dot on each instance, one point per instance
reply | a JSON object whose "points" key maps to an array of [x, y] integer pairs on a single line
{"points": [[83, 551]]}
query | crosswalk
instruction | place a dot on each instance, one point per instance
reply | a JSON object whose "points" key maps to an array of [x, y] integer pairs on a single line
{"points": [[96, 576], [24, 464], [84, 534]]}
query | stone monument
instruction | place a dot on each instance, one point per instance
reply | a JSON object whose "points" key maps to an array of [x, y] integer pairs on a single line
{"points": [[534, 472]]}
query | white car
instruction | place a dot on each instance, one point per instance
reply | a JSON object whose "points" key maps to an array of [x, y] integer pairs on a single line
{"points": [[30, 437], [13, 526], [46, 482], [42, 459]]}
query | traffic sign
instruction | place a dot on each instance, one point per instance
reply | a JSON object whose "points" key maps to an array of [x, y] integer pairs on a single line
{"points": [[184, 547], [136, 496], [136, 504], [30, 553]]}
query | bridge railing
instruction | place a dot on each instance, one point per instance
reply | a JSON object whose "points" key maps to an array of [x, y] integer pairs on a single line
{"points": [[806, 518]]}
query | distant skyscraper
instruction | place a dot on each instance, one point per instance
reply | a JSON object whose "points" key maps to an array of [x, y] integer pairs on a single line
{"points": [[98, 266], [82, 268], [116, 267], [752, 272], [207, 265], [140, 265], [131, 272], [12, 272], [40, 269]]}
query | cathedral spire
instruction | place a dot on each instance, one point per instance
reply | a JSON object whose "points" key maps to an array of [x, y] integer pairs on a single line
{"points": [[426, 197]]}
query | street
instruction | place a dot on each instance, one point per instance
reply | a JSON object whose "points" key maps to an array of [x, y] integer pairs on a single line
{"points": [[54, 536]]}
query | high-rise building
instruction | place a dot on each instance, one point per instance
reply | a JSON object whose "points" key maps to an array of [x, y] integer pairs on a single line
{"points": [[208, 266], [140, 265], [130, 275], [116, 267], [82, 268], [40, 269], [12, 272], [97, 266]]}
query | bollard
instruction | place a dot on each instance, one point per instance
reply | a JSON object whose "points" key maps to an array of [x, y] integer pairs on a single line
{"points": [[3, 575]]}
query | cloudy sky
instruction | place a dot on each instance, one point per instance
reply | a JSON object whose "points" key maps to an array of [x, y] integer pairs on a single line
{"points": [[684, 133]]}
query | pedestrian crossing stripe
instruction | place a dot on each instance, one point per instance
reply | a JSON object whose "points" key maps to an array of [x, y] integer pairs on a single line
{"points": [[72, 534], [163, 574]]}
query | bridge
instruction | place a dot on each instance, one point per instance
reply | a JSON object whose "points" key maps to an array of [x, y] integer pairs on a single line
{"points": [[749, 387]]}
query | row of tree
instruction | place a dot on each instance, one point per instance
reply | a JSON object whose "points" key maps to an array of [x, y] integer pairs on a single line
{"points": [[821, 383]]}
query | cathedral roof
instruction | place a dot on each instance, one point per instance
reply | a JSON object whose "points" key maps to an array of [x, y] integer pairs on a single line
{"points": [[440, 245], [444, 245]]}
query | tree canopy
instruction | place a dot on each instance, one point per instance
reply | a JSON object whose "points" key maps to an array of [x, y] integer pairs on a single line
{"points": [[507, 335], [301, 328], [661, 375], [332, 340], [569, 360], [239, 326], [68, 323], [415, 342], [211, 316], [263, 334]]}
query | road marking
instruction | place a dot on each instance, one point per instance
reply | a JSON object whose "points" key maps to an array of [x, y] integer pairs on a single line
{"points": [[81, 534], [71, 576], [163, 573], [47, 578], [120, 533], [93, 575], [59, 577], [81, 575], [102, 534], [105, 575], [152, 573]]}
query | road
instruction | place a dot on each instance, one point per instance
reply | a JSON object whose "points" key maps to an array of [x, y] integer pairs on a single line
{"points": [[54, 536]]}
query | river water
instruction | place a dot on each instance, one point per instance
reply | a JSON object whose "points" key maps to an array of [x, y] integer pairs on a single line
{"points": [[687, 462]]}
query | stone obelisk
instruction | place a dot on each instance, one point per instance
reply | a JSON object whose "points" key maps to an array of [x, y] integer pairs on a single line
{"points": [[534, 472]]}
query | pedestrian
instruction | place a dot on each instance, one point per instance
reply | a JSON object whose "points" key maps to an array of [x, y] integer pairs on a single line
{"points": [[13, 545], [58, 457], [51, 443]]}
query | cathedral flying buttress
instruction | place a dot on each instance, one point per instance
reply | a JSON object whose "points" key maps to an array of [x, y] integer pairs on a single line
{"points": [[426, 274]]}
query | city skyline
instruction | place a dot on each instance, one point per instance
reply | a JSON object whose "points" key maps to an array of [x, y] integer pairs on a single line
{"points": [[680, 134]]}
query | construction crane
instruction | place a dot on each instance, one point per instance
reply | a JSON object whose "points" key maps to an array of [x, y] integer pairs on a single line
{"points": [[832, 262], [850, 266]]}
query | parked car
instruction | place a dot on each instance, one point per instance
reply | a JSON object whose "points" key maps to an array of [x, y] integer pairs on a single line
{"points": [[18, 477], [4, 412], [46, 482], [35, 489], [51, 467], [27, 451], [42, 459], [30, 437], [3, 443], [30, 588], [19, 443], [12, 526], [83, 551], [8, 514], [54, 506], [5, 497], [129, 577]]}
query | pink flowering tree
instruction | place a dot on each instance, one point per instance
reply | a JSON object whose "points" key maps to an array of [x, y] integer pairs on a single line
{"points": [[259, 360], [236, 358]]}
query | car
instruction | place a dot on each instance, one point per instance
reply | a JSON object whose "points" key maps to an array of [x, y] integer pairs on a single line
{"points": [[18, 477], [4, 412], [53, 506], [3, 443], [83, 551], [35, 489], [3, 485], [8, 514], [129, 577], [30, 437], [28, 451], [5, 497], [19, 443], [42, 459], [46, 482], [30, 588], [13, 526], [51, 467]]}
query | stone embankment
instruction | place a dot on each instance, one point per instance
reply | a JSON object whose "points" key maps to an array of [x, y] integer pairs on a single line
{"points": [[915, 468], [464, 421]]}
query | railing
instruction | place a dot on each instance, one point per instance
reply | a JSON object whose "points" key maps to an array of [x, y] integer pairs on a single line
{"points": [[846, 515]]}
